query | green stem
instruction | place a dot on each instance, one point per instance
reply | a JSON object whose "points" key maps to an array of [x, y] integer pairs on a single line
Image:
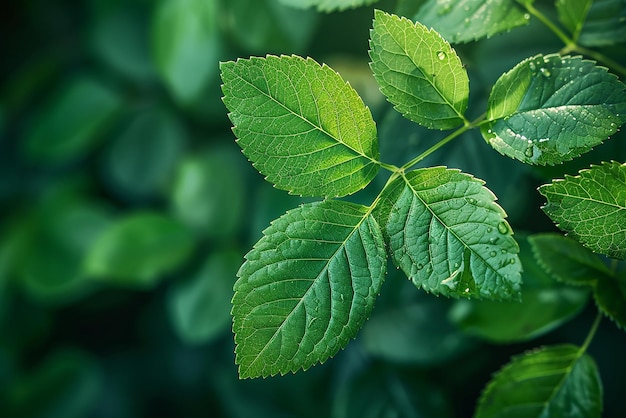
{"points": [[592, 333], [601, 58], [569, 43], [435, 147]]}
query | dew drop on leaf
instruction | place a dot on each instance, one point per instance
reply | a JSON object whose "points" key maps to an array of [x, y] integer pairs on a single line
{"points": [[493, 253], [545, 72], [503, 228], [441, 55], [529, 151]]}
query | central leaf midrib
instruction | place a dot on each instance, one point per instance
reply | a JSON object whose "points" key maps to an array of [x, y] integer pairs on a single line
{"points": [[302, 117]]}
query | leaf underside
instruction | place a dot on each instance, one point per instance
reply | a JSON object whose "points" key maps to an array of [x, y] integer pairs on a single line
{"points": [[306, 287], [470, 20], [301, 125], [418, 72], [550, 109], [556, 381], [448, 235], [591, 207]]}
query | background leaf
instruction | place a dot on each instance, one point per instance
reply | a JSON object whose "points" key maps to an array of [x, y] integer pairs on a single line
{"points": [[572, 13], [554, 381], [200, 306], [470, 20], [139, 249], [307, 287], [604, 24], [449, 236], [311, 136], [73, 122], [550, 109], [591, 207], [418, 71], [328, 5], [180, 30], [567, 260], [546, 304]]}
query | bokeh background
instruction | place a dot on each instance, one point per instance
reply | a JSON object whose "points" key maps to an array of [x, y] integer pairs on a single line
{"points": [[126, 208]]}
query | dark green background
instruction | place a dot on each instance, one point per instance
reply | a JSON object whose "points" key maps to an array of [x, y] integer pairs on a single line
{"points": [[126, 208]]}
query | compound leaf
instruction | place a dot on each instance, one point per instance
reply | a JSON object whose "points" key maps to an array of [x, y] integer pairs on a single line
{"points": [[550, 109], [301, 125], [448, 235], [572, 13], [306, 287], [328, 5], [591, 207], [604, 24], [418, 72], [556, 381], [470, 20]]}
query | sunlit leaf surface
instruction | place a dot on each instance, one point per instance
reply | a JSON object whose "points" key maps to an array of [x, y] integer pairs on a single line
{"points": [[301, 125], [307, 287], [419, 72], [448, 235], [550, 109]]}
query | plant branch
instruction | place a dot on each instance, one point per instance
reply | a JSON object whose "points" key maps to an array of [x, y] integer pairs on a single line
{"points": [[592, 333]]}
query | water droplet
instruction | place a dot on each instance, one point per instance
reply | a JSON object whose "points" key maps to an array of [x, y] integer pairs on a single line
{"points": [[441, 55], [503, 251], [419, 266], [466, 21], [532, 66], [457, 265], [493, 240], [529, 152], [527, 16], [493, 253], [545, 72], [503, 228], [470, 200], [489, 230], [467, 290], [512, 261]]}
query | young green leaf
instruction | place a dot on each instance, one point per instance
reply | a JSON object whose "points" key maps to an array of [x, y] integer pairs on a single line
{"points": [[185, 44], [591, 207], [448, 235], [572, 13], [328, 5], [546, 305], [418, 71], [604, 24], [550, 109], [301, 125], [568, 261], [306, 287], [470, 20], [556, 381], [139, 249]]}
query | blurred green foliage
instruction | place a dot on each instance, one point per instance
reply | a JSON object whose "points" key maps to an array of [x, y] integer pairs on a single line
{"points": [[126, 208]]}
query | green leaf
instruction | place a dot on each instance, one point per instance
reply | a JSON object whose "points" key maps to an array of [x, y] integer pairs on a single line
{"points": [[139, 249], [207, 200], [546, 305], [556, 381], [550, 109], [200, 307], [72, 123], [572, 13], [470, 20], [306, 287], [140, 162], [604, 24], [186, 46], [448, 235], [328, 5], [301, 125], [418, 71], [566, 260], [591, 207]]}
